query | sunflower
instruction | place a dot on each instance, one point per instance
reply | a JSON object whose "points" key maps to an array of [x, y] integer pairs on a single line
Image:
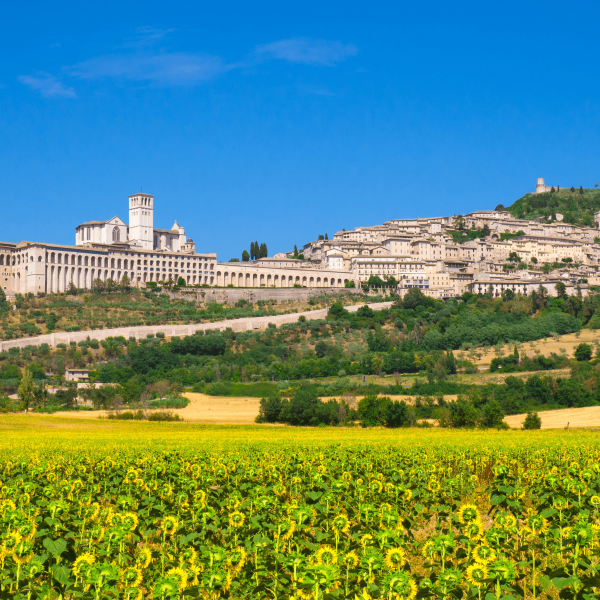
{"points": [[476, 574], [385, 508], [193, 571], [180, 575], [12, 540], [376, 486], [349, 559], [287, 528], [237, 558], [483, 554], [537, 523], [468, 513], [130, 521], [188, 555], [83, 563], [23, 552], [434, 486], [400, 586], [340, 524], [133, 593], [475, 530], [32, 569], [595, 500], [395, 558], [166, 587], [236, 519], [366, 540], [96, 534], [503, 570], [144, 558], [407, 494], [169, 525], [131, 577], [326, 555], [27, 529]]}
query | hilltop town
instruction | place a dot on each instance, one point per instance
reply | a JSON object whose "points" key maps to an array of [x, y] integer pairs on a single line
{"points": [[520, 248]]}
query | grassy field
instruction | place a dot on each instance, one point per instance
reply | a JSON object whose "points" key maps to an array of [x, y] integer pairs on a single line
{"points": [[104, 509], [568, 343]]}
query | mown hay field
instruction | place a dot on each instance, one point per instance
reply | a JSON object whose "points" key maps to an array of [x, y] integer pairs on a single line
{"points": [[107, 509]]}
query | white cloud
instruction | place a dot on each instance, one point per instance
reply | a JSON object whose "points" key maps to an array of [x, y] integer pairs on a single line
{"points": [[162, 69], [48, 86], [308, 52], [146, 36]]}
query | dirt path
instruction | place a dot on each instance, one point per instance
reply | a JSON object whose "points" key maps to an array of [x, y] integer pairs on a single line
{"points": [[559, 419]]}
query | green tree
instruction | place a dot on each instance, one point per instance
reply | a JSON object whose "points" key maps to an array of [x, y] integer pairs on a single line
{"points": [[126, 283], [583, 352], [375, 281], [463, 414], [25, 389], [514, 257], [508, 295], [245, 256], [180, 282], [450, 363], [349, 284], [493, 415], [295, 251], [396, 414], [326, 237], [561, 290], [532, 421], [4, 305], [534, 260]]}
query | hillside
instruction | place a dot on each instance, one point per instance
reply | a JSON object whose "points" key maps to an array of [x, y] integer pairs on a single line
{"points": [[38, 315], [576, 205]]}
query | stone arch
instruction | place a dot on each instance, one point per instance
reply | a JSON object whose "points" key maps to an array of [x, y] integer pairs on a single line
{"points": [[116, 234], [311, 282]]}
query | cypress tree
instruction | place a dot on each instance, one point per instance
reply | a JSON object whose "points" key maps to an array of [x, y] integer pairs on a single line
{"points": [[295, 251], [450, 362], [516, 354], [252, 251]]}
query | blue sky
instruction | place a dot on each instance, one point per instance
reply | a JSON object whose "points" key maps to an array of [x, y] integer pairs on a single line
{"points": [[278, 121]]}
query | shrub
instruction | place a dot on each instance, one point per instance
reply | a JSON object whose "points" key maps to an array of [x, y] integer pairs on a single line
{"points": [[532, 421], [583, 352], [164, 416]]}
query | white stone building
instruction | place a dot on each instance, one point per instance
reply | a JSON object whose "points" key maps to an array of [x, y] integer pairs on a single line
{"points": [[139, 233]]}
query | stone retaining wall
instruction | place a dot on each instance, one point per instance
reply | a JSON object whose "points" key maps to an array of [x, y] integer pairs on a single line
{"points": [[249, 324], [232, 295]]}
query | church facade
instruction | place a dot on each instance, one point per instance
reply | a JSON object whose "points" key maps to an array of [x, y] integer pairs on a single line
{"points": [[140, 233]]}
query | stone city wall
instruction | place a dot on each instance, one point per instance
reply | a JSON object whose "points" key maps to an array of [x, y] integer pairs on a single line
{"points": [[232, 295], [249, 324]]}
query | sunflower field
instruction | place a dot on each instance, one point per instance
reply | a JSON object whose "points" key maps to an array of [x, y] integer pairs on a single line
{"points": [[171, 511]]}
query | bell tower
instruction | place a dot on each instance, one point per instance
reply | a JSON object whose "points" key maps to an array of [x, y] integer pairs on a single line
{"points": [[141, 219]]}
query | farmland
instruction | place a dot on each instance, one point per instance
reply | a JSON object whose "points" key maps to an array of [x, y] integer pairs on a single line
{"points": [[108, 509]]}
